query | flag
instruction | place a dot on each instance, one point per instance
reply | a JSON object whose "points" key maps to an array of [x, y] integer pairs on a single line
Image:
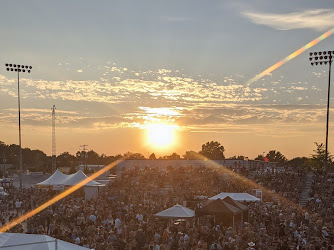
{"points": [[266, 159]]}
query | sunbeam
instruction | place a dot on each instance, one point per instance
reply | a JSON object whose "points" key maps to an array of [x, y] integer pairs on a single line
{"points": [[291, 56]]}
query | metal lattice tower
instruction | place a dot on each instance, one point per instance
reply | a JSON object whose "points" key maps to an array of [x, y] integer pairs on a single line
{"points": [[54, 157]]}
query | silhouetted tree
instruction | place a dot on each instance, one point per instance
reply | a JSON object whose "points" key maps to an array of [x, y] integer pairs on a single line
{"points": [[37, 160], [134, 156], [318, 159], [93, 157], [152, 157], [213, 150], [239, 157], [259, 158], [191, 155], [276, 156], [65, 159], [72, 170], [173, 156], [298, 162]]}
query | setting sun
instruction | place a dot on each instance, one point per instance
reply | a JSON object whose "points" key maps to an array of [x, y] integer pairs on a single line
{"points": [[161, 135]]}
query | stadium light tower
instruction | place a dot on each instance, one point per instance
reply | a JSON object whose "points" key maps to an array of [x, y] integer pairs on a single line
{"points": [[324, 58], [19, 68]]}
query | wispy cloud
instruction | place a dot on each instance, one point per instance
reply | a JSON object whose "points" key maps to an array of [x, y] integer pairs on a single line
{"points": [[32, 110], [196, 103], [318, 19]]}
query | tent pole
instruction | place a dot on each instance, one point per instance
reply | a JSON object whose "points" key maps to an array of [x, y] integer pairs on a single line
{"points": [[56, 245]]}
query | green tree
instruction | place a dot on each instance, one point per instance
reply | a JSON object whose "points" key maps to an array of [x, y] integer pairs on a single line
{"points": [[213, 150]]}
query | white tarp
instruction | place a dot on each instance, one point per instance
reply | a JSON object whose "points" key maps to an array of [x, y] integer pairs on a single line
{"points": [[34, 242], [58, 178], [176, 211], [236, 196]]}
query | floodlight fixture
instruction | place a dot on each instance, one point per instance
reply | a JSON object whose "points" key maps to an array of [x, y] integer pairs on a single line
{"points": [[323, 60], [18, 68]]}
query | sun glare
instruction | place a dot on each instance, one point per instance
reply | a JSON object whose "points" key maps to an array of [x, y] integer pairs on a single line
{"points": [[160, 135]]}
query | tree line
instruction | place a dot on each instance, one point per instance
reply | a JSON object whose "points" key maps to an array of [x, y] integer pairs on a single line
{"points": [[37, 160]]}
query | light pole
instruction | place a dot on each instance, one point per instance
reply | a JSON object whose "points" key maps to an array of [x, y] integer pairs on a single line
{"points": [[324, 58], [19, 68]]}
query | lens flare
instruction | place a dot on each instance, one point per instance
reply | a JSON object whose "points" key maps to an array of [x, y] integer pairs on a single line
{"points": [[60, 196], [291, 56]]}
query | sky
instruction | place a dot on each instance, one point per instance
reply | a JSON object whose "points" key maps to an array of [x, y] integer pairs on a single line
{"points": [[116, 69]]}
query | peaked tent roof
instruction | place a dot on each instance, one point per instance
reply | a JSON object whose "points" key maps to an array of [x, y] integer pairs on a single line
{"points": [[237, 204], [58, 178], [236, 197], [218, 207], [77, 177], [16, 241], [54, 179], [176, 211]]}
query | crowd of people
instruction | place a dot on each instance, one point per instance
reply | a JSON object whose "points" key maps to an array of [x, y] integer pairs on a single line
{"points": [[288, 184], [321, 196], [122, 216]]}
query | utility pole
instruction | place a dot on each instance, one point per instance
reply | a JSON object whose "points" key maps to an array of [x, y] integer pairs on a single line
{"points": [[54, 157]]}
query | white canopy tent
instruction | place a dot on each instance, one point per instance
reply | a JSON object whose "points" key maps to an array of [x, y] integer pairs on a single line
{"points": [[236, 196], [55, 179], [77, 177], [15, 241], [58, 178], [176, 212]]}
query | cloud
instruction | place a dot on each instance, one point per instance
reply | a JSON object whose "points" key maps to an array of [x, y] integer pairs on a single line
{"points": [[33, 110], [79, 70], [196, 103], [318, 19], [247, 114]]}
